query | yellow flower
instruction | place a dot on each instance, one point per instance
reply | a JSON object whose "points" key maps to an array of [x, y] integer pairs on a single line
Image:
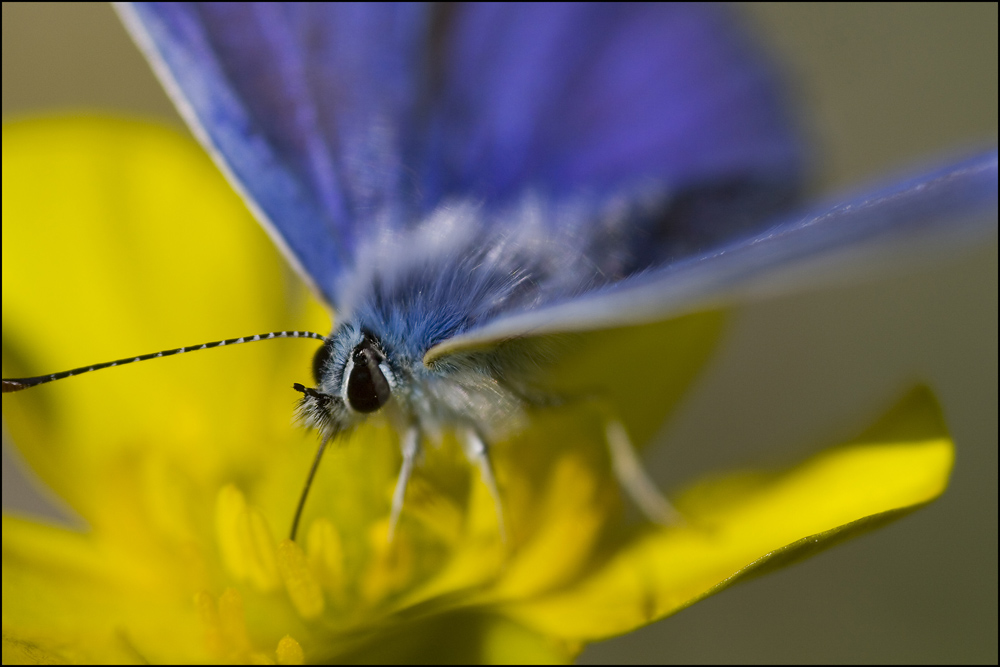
{"points": [[186, 472]]}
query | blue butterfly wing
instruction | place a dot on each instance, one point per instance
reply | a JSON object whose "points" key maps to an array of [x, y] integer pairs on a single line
{"points": [[339, 121], [562, 96], [306, 107], [944, 208]]}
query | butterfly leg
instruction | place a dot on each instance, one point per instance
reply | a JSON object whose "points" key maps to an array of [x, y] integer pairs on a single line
{"points": [[634, 479], [411, 448], [479, 454]]}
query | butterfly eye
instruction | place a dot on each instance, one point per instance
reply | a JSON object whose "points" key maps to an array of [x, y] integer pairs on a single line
{"points": [[319, 362], [367, 388]]}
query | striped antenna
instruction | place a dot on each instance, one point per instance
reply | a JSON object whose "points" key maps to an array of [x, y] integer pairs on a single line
{"points": [[17, 384]]}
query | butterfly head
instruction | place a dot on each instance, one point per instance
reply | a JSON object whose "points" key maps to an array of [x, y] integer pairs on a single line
{"points": [[353, 379]]}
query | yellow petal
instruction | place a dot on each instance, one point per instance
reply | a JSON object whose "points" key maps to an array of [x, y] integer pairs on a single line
{"points": [[70, 598], [573, 512], [121, 238], [743, 525]]}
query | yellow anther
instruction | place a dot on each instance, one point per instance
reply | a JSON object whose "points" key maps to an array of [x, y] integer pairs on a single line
{"points": [[208, 614], [233, 622], [302, 587], [289, 652], [245, 541], [326, 556], [257, 544], [229, 507]]}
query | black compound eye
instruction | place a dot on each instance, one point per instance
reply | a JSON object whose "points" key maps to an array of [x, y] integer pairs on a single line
{"points": [[367, 388], [319, 362]]}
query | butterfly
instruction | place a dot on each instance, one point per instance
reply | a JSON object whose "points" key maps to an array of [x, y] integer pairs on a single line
{"points": [[465, 186]]}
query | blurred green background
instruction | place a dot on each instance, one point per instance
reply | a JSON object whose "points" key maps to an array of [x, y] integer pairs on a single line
{"points": [[879, 86]]}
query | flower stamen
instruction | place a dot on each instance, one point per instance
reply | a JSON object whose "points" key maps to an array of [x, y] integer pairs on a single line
{"points": [[289, 652], [225, 628], [303, 589], [229, 506], [245, 540], [232, 621], [326, 556], [259, 549], [208, 614]]}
